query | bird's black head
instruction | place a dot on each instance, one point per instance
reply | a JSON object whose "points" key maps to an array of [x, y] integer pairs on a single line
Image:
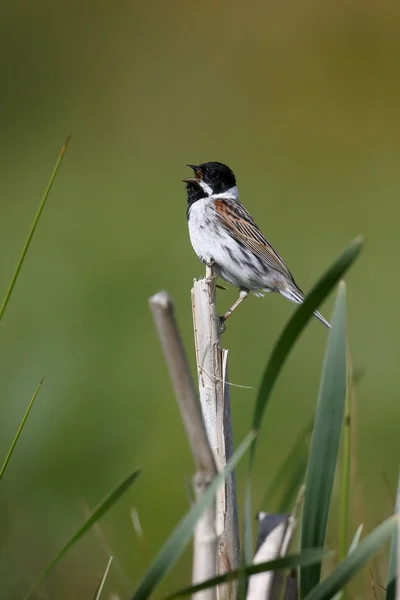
{"points": [[209, 178], [218, 176]]}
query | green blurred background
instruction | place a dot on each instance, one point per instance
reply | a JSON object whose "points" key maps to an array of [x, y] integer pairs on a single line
{"points": [[302, 100]]}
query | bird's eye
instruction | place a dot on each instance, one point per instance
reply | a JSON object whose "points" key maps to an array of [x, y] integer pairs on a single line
{"points": [[213, 173]]}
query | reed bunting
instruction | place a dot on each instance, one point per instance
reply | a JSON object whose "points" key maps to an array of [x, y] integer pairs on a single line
{"points": [[226, 238]]}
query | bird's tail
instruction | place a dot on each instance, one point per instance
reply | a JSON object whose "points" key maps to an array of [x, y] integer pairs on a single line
{"points": [[297, 297]]}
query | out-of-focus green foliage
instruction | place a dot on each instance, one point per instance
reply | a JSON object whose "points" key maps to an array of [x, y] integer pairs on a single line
{"points": [[100, 510], [301, 100]]}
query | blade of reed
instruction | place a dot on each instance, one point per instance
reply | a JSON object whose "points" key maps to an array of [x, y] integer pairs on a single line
{"points": [[346, 460], [307, 557], [281, 351], [103, 579], [98, 512], [32, 231], [353, 562], [19, 431], [177, 541], [392, 574], [353, 546], [325, 442]]}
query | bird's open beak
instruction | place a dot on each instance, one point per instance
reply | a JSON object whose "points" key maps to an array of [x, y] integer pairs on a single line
{"points": [[197, 175]]}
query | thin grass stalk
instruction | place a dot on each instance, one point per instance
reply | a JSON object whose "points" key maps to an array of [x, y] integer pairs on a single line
{"points": [[19, 431], [215, 403], [103, 580], [32, 231]]}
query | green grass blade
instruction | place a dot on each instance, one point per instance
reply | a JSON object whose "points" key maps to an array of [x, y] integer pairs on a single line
{"points": [[288, 469], [281, 351], [248, 549], [19, 430], [392, 575], [103, 579], [175, 544], [353, 562], [98, 512], [346, 461], [307, 557], [32, 231], [325, 442], [293, 486], [353, 546]]}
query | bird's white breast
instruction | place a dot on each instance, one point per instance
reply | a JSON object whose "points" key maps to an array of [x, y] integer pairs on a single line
{"points": [[204, 236], [212, 242]]}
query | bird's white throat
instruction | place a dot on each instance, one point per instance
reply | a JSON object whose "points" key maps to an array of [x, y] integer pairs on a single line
{"points": [[231, 194], [205, 187]]}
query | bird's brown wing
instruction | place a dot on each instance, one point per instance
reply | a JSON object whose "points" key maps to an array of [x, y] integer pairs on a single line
{"points": [[241, 225]]}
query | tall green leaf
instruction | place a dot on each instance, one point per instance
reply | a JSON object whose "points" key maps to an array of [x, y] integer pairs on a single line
{"points": [[19, 431], [325, 442], [176, 543], [353, 562], [392, 575], [281, 351], [98, 512], [32, 231]]}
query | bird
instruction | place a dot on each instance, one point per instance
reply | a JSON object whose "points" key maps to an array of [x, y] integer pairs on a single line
{"points": [[225, 237]]}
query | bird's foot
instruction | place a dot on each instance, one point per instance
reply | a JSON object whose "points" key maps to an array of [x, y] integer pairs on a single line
{"points": [[206, 260]]}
